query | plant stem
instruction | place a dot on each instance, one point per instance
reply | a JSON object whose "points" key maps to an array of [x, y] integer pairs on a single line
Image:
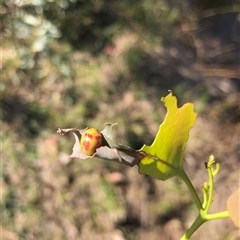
{"points": [[211, 186], [187, 181], [197, 223], [203, 215], [202, 218], [203, 209], [214, 216]]}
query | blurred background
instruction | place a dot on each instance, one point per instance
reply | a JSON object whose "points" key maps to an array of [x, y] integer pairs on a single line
{"points": [[79, 63]]}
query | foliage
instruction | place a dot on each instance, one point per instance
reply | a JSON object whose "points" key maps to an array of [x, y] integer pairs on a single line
{"points": [[164, 157]]}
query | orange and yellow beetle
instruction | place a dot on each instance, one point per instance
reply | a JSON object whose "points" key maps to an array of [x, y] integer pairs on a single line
{"points": [[91, 140]]}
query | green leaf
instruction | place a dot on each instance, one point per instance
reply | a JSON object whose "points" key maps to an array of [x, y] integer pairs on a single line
{"points": [[164, 157]]}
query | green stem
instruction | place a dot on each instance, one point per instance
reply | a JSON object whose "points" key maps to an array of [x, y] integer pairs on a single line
{"points": [[205, 195], [203, 209], [210, 190], [202, 218], [197, 223], [215, 216], [187, 181]]}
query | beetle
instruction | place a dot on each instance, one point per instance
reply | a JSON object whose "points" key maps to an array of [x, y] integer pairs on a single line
{"points": [[91, 140]]}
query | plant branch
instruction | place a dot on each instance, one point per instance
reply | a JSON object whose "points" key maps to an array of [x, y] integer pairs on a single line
{"points": [[203, 209], [215, 216], [196, 224], [187, 181]]}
